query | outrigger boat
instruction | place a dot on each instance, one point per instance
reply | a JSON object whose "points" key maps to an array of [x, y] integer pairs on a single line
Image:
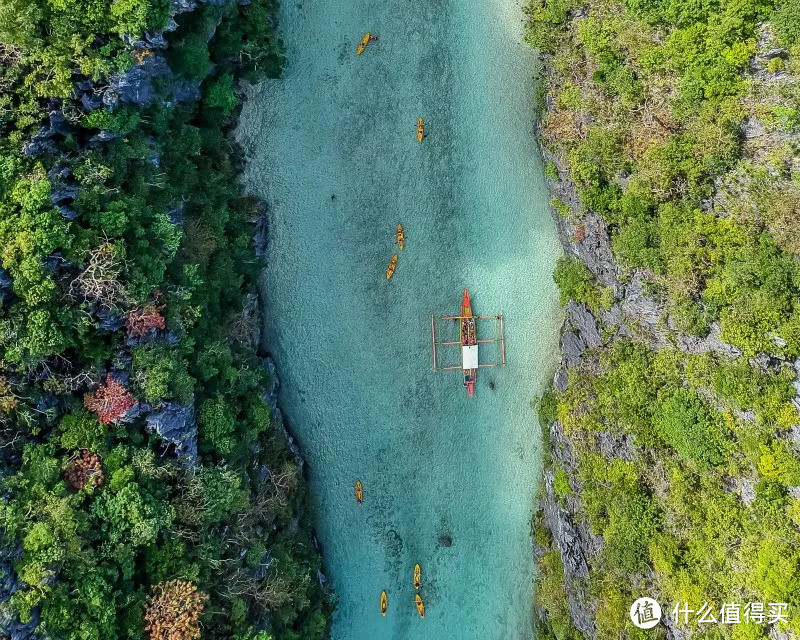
{"points": [[417, 576], [392, 266], [384, 603], [469, 342], [420, 129], [359, 493], [401, 237], [420, 606]]}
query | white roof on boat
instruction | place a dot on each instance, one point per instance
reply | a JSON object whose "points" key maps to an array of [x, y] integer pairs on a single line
{"points": [[469, 356]]}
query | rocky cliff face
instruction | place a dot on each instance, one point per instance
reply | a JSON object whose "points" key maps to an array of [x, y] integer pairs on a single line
{"points": [[637, 314]]}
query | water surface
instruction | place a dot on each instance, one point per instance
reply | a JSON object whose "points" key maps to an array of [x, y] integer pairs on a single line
{"points": [[332, 150]]}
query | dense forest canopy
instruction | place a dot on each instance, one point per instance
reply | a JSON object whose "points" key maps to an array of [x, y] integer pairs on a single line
{"points": [[676, 447], [148, 486]]}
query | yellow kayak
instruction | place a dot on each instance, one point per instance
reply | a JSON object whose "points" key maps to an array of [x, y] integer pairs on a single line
{"points": [[420, 606], [401, 237], [392, 266], [420, 129], [359, 493], [363, 44], [417, 576], [384, 603]]}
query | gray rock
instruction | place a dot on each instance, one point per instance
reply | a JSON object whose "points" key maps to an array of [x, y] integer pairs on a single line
{"points": [[34, 149], [175, 424], [584, 323], [561, 380], [62, 194], [155, 40], [568, 541], [753, 128], [572, 348], [595, 251], [10, 626], [645, 309], [102, 138], [59, 172], [58, 122], [177, 215], [136, 85], [109, 320], [66, 211], [712, 343], [615, 446], [182, 6], [6, 283]]}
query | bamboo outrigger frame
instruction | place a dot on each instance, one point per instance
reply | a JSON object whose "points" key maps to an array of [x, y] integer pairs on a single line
{"points": [[499, 338]]}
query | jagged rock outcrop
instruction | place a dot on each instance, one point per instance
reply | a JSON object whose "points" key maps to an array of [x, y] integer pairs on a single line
{"points": [[137, 85], [572, 547], [270, 396], [176, 425], [10, 626]]}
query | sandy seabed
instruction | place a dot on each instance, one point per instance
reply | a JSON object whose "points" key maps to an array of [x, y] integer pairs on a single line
{"points": [[332, 149]]}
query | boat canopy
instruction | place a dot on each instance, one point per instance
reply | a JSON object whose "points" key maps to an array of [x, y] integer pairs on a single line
{"points": [[469, 356]]}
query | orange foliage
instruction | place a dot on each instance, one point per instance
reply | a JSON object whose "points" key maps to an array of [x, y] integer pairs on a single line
{"points": [[85, 470], [173, 611], [110, 402]]}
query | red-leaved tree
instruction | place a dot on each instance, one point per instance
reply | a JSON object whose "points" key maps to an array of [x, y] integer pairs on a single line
{"points": [[140, 321], [110, 402], [85, 470]]}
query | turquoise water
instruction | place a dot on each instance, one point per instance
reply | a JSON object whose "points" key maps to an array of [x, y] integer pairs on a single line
{"points": [[354, 351]]}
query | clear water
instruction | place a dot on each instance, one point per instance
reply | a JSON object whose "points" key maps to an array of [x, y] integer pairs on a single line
{"points": [[354, 351]]}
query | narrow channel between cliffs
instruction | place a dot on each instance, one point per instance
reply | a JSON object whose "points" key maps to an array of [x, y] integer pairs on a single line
{"points": [[449, 481]]}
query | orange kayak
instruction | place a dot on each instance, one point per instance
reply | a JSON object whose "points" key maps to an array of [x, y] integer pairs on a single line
{"points": [[420, 606], [401, 237], [417, 576], [384, 603], [420, 129], [359, 493], [392, 266], [363, 44]]}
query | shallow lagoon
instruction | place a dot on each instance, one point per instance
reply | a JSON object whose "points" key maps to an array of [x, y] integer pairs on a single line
{"points": [[332, 150]]}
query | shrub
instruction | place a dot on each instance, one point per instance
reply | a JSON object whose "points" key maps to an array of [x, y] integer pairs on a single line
{"points": [[576, 282], [220, 95], [688, 426], [786, 20], [217, 426], [561, 484], [82, 430]]}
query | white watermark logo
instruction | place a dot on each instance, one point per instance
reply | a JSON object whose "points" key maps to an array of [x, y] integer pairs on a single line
{"points": [[645, 613], [732, 613]]}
